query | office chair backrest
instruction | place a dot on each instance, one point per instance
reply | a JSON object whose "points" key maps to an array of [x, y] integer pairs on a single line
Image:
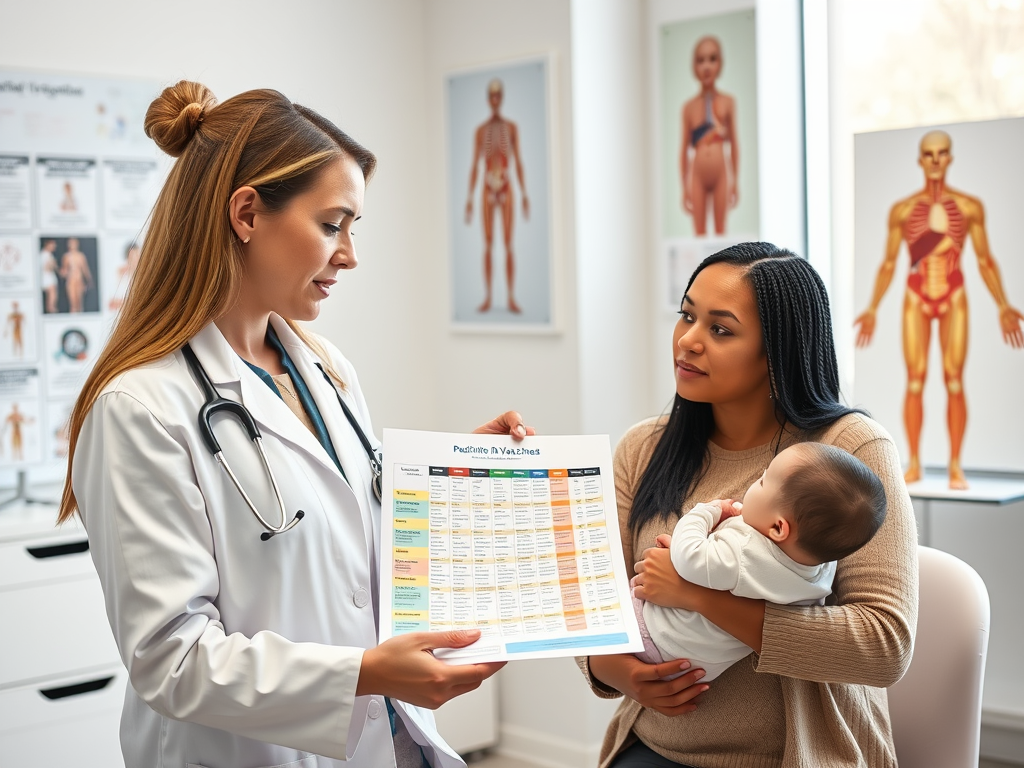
{"points": [[936, 707]]}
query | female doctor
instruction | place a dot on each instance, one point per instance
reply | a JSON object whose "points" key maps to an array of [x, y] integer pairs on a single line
{"points": [[243, 594]]}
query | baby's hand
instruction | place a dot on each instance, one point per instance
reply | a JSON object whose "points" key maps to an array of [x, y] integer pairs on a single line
{"points": [[664, 541], [729, 509]]}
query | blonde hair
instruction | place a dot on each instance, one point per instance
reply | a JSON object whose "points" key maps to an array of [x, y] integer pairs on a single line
{"points": [[190, 267]]}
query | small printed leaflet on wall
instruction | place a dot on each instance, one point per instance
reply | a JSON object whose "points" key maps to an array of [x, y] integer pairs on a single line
{"points": [[707, 147], [78, 178], [499, 197], [938, 195]]}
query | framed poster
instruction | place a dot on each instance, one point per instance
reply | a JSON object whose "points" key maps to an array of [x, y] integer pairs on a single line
{"points": [[707, 154], [939, 290], [499, 208]]}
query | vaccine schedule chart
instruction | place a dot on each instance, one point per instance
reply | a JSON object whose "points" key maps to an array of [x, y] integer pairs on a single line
{"points": [[519, 540]]}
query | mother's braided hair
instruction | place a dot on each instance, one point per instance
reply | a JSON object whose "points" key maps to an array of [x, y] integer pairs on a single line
{"points": [[804, 376]]}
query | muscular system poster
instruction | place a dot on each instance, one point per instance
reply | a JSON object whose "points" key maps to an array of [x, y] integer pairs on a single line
{"points": [[939, 285]]}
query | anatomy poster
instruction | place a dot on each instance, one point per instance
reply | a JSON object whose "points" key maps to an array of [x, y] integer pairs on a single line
{"points": [[21, 434], [707, 147], [499, 197], [16, 264], [67, 192], [15, 192], [939, 291], [19, 336], [68, 273], [78, 178]]}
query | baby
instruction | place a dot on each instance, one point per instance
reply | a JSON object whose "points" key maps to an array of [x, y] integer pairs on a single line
{"points": [[813, 505]]}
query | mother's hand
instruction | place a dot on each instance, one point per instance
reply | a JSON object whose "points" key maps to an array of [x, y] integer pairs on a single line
{"points": [[642, 682], [509, 423], [658, 582]]}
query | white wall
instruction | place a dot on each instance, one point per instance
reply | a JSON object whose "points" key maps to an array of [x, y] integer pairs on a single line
{"points": [[356, 62], [613, 265]]}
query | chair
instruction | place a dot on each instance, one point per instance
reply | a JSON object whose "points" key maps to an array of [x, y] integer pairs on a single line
{"points": [[936, 706]]}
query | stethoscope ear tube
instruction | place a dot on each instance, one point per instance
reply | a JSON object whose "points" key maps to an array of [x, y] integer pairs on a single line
{"points": [[215, 404], [376, 466], [272, 530]]}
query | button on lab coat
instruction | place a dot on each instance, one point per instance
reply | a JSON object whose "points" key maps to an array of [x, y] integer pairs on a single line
{"points": [[241, 653]]}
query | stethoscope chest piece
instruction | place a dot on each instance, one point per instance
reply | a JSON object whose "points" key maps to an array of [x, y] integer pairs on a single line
{"points": [[378, 489], [375, 458]]}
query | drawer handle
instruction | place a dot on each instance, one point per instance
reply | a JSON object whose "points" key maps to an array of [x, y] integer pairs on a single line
{"points": [[59, 550], [77, 689]]}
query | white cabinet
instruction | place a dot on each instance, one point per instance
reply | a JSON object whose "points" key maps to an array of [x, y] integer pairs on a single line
{"points": [[61, 681]]}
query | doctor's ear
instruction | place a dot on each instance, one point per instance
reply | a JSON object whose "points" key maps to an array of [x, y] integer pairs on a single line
{"points": [[242, 210]]}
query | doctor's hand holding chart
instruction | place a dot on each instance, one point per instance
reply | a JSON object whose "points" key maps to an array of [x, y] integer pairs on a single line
{"points": [[223, 461]]}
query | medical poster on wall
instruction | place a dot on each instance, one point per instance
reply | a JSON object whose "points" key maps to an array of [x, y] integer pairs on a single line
{"points": [[707, 145], [78, 178], [16, 264], [499, 197], [15, 192], [939, 292]]}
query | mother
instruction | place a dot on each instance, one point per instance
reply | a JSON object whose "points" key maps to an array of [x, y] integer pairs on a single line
{"points": [[755, 371]]}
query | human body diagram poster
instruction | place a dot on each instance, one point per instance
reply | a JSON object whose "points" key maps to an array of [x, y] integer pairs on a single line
{"points": [[78, 178], [519, 540]]}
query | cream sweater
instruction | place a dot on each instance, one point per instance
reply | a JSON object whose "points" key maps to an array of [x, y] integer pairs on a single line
{"points": [[815, 697]]}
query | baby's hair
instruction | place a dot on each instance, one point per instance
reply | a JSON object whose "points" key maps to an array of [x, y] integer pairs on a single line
{"points": [[837, 503]]}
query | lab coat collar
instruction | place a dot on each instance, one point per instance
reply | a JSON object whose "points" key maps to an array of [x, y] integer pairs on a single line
{"points": [[216, 355]]}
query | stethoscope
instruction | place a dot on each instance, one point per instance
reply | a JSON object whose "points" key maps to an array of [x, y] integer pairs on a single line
{"points": [[214, 403]]}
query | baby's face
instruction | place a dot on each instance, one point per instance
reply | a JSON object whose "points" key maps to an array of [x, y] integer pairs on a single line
{"points": [[761, 501]]}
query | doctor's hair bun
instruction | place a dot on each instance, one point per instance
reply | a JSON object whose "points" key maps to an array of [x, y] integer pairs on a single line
{"points": [[176, 114]]}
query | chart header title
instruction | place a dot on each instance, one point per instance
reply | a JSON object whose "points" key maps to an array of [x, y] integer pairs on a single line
{"points": [[495, 450]]}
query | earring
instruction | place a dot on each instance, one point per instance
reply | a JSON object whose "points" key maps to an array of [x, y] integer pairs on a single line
{"points": [[246, 240], [771, 396]]}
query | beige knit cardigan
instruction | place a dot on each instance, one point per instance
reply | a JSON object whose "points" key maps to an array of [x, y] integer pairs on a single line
{"points": [[815, 696]]}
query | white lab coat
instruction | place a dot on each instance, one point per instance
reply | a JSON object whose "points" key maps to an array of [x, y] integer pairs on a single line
{"points": [[241, 653]]}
